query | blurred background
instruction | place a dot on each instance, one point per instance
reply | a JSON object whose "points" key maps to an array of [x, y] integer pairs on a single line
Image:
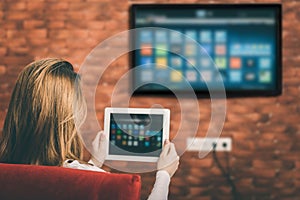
{"points": [[264, 161]]}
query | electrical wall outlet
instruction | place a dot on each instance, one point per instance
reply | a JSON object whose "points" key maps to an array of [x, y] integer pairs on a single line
{"points": [[207, 144]]}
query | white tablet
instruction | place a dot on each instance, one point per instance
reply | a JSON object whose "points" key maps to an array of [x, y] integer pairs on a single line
{"points": [[136, 134]]}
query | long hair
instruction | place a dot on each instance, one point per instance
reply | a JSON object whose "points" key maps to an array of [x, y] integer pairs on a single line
{"points": [[39, 127]]}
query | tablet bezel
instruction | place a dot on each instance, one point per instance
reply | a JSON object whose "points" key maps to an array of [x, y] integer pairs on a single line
{"points": [[107, 119]]}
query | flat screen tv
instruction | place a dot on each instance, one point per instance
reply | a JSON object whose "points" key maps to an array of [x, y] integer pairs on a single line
{"points": [[178, 46]]}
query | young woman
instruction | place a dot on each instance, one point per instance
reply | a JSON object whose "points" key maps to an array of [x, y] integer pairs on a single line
{"points": [[39, 128]]}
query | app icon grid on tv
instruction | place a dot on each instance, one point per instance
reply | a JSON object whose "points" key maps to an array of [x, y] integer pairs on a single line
{"points": [[242, 41]]}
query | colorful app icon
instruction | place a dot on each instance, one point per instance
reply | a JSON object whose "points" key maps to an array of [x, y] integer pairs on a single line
{"points": [[265, 63], [250, 62], [147, 144], [176, 76], [250, 76], [129, 143], [265, 76], [206, 49], [146, 76], [147, 132], [119, 137], [176, 48], [206, 75], [162, 75], [136, 127], [175, 37], [191, 75], [221, 36], [135, 143], [235, 76], [190, 50], [205, 62], [146, 36], [161, 36], [221, 62], [146, 61], [235, 63], [161, 50], [135, 132], [146, 49], [220, 49], [191, 62], [158, 144], [205, 36], [130, 131], [176, 61], [161, 62], [191, 35]]}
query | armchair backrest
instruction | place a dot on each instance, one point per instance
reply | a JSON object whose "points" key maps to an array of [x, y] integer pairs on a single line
{"points": [[48, 182]]}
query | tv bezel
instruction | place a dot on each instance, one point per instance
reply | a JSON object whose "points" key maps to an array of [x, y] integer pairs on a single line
{"points": [[205, 93]]}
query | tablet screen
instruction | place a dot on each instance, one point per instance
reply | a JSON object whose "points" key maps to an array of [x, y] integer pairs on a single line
{"points": [[136, 134]]}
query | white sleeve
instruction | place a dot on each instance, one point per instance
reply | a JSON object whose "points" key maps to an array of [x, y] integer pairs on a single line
{"points": [[161, 186], [74, 164]]}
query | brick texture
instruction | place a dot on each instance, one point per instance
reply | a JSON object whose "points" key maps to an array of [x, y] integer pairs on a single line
{"points": [[265, 161]]}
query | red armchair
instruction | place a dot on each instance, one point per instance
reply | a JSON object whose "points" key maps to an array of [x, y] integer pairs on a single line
{"points": [[45, 182]]}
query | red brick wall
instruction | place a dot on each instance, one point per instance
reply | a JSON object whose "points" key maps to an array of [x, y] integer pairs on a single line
{"points": [[265, 161]]}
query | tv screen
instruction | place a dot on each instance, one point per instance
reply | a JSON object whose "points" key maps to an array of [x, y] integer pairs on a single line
{"points": [[180, 46]]}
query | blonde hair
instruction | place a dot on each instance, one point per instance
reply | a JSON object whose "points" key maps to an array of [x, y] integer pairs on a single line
{"points": [[40, 125]]}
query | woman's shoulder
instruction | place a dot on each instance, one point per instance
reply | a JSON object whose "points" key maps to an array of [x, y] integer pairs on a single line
{"points": [[75, 164]]}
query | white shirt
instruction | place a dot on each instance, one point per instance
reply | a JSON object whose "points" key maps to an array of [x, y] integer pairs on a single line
{"points": [[160, 189]]}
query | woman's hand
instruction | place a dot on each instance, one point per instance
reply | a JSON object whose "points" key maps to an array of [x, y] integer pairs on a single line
{"points": [[168, 159], [99, 146]]}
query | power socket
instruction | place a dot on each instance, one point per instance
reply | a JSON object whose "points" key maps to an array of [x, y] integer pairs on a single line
{"points": [[207, 144]]}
